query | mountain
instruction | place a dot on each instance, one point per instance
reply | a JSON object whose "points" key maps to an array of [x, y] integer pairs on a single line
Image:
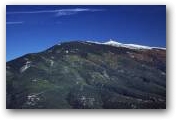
{"points": [[88, 75]]}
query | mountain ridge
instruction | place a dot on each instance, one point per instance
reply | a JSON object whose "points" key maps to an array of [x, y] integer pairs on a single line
{"points": [[111, 42], [132, 46]]}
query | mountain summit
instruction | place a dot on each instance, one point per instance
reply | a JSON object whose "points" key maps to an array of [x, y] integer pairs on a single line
{"points": [[88, 75]]}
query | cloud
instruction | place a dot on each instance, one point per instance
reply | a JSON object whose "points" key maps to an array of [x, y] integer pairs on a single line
{"points": [[13, 23], [32, 12], [60, 12], [64, 12]]}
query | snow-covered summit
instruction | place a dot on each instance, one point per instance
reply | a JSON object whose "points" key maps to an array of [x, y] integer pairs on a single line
{"points": [[130, 46], [113, 43]]}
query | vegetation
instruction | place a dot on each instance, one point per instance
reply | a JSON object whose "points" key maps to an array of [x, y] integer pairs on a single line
{"points": [[85, 75]]}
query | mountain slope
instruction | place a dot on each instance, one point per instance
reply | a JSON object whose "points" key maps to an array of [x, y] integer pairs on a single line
{"points": [[87, 75]]}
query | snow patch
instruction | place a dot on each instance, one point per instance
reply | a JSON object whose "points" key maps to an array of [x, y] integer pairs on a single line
{"points": [[66, 51], [25, 67], [32, 100], [51, 63], [87, 101], [105, 74], [130, 46], [34, 80], [134, 46], [159, 48]]}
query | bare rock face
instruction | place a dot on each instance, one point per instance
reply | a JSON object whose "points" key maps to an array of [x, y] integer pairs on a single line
{"points": [[85, 75]]}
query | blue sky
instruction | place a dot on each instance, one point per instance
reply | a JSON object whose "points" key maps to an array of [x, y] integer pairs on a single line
{"points": [[35, 28]]}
